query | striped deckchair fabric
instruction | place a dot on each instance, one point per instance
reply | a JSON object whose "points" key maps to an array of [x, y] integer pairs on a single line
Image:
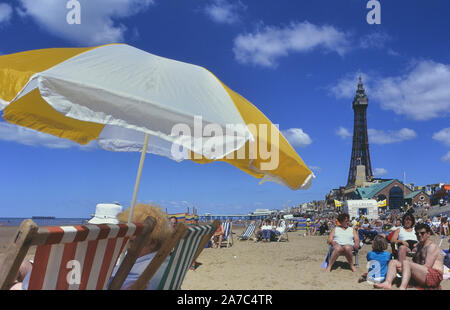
{"points": [[78, 257], [248, 232], [185, 252], [228, 237]]}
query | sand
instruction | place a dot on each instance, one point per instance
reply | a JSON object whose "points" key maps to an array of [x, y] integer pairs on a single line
{"points": [[246, 265]]}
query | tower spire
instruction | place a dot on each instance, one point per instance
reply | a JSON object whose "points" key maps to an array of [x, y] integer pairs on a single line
{"points": [[360, 148]]}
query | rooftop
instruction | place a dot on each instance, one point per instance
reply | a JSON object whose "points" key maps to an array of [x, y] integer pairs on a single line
{"points": [[369, 192]]}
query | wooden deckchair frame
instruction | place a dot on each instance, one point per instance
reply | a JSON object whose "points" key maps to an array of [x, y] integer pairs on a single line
{"points": [[29, 234]]}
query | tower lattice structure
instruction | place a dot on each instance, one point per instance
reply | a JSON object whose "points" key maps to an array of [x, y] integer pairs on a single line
{"points": [[360, 148]]}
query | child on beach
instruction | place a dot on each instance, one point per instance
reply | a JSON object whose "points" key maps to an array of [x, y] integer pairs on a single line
{"points": [[378, 260]]}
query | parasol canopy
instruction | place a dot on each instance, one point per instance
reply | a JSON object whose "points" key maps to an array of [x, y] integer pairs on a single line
{"points": [[130, 100]]}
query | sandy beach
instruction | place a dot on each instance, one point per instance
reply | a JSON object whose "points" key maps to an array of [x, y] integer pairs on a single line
{"points": [[292, 265]]}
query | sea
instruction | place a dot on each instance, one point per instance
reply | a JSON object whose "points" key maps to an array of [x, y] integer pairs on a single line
{"points": [[43, 221]]}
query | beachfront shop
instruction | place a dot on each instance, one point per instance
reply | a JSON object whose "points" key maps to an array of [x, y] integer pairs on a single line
{"points": [[361, 208]]}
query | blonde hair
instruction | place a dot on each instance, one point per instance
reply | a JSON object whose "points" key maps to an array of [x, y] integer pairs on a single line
{"points": [[162, 229]]}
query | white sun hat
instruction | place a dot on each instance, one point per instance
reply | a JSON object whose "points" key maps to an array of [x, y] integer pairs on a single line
{"points": [[106, 213]]}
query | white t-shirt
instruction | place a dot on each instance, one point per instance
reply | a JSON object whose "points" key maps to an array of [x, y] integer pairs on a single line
{"points": [[343, 237], [406, 235]]}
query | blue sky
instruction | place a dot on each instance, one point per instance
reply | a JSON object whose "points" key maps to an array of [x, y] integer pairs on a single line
{"points": [[297, 61]]}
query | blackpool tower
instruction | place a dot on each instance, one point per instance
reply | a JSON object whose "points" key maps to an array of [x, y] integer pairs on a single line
{"points": [[360, 148]]}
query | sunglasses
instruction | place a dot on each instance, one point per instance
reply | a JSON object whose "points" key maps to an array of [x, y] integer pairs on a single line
{"points": [[422, 233]]}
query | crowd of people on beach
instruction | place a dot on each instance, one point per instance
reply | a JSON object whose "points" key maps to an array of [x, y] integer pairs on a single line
{"points": [[414, 260], [402, 252]]}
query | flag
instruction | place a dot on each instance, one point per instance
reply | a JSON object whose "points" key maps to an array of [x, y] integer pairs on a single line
{"points": [[382, 203], [337, 203]]}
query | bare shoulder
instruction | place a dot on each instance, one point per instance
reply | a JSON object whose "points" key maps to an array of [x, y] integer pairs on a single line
{"points": [[433, 248]]}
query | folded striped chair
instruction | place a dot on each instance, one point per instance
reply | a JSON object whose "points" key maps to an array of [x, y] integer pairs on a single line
{"points": [[248, 232], [73, 257], [228, 237], [184, 247]]}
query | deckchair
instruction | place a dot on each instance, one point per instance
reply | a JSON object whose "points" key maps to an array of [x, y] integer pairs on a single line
{"points": [[291, 227], [284, 231], [185, 247], [73, 257], [248, 232], [228, 236], [330, 250]]}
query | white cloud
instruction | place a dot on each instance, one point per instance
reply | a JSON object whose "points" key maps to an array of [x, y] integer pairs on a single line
{"points": [[99, 19], [443, 136], [297, 137], [343, 133], [224, 12], [446, 158], [375, 39], [380, 172], [5, 12], [22, 135], [346, 87], [390, 136], [266, 46], [392, 52], [423, 93]]}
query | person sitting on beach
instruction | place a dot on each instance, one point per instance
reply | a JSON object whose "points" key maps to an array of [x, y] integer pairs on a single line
{"points": [[366, 231], [323, 227], [308, 227], [161, 232], [218, 237], [343, 239], [378, 259], [280, 228], [316, 226], [258, 232], [444, 227], [426, 269], [266, 230], [173, 222], [404, 237]]}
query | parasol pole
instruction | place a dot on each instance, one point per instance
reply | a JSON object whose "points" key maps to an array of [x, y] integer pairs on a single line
{"points": [[138, 178]]}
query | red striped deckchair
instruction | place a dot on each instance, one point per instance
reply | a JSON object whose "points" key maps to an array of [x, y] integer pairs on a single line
{"points": [[73, 257]]}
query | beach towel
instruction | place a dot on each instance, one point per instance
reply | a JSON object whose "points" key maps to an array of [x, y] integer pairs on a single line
{"points": [[446, 273]]}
